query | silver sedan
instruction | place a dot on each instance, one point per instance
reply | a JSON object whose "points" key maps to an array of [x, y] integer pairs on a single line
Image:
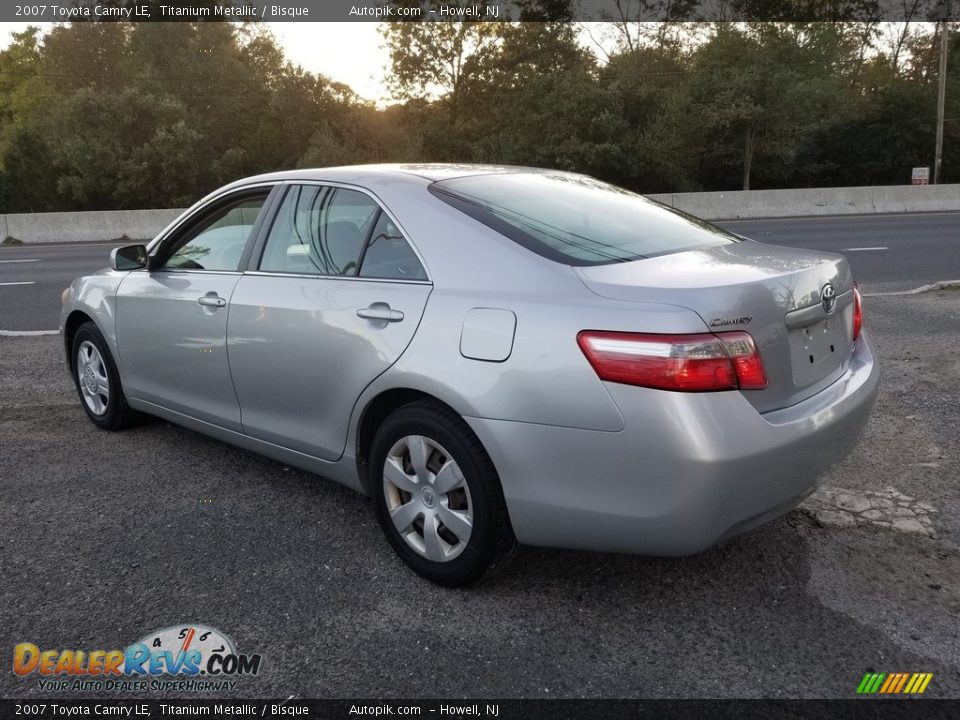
{"points": [[494, 355]]}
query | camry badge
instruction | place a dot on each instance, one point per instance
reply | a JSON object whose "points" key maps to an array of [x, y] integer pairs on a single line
{"points": [[828, 298], [743, 320]]}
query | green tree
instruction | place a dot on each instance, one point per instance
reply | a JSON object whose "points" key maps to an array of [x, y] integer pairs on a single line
{"points": [[118, 115], [651, 82], [538, 101], [19, 64], [438, 59], [760, 92]]}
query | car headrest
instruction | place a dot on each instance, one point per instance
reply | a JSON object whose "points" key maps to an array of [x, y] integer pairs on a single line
{"points": [[344, 241]]}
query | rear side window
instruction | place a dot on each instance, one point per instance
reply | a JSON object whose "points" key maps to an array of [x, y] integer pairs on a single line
{"points": [[576, 220], [322, 230], [389, 256]]}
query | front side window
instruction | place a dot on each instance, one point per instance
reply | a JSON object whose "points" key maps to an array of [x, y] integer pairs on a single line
{"points": [[217, 241], [576, 220], [322, 230]]}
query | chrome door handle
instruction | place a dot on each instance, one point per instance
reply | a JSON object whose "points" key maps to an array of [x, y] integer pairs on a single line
{"points": [[380, 311], [212, 300]]}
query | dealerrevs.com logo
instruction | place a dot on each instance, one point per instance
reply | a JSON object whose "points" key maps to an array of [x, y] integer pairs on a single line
{"points": [[186, 658]]}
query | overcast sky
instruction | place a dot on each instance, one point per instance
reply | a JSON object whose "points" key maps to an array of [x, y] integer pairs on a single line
{"points": [[350, 53]]}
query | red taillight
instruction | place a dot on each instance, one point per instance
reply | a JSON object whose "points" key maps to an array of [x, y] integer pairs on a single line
{"points": [[688, 363], [857, 313]]}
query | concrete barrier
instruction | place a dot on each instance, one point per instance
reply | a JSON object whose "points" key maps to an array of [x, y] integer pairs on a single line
{"points": [[85, 226], [815, 201], [145, 224]]}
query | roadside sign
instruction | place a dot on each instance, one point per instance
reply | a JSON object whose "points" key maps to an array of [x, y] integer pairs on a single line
{"points": [[921, 176]]}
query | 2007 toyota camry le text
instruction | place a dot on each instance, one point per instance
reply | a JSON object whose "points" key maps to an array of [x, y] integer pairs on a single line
{"points": [[495, 355]]}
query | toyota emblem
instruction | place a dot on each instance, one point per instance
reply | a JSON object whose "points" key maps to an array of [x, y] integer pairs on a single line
{"points": [[828, 298]]}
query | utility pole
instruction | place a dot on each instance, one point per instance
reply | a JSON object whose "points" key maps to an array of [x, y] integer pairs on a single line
{"points": [[941, 91]]}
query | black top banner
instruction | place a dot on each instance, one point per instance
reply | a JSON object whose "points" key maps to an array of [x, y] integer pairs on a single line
{"points": [[470, 10]]}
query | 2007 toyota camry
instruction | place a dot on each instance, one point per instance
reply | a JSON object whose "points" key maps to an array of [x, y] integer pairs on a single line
{"points": [[495, 355]]}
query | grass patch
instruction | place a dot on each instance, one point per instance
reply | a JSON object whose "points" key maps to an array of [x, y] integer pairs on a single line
{"points": [[11, 240]]}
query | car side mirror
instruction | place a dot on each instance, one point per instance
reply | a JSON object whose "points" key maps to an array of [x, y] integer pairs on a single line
{"points": [[129, 257]]}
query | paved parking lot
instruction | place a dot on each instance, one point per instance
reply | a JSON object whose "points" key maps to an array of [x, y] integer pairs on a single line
{"points": [[104, 537]]}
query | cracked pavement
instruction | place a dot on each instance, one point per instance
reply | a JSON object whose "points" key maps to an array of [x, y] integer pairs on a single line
{"points": [[885, 508]]}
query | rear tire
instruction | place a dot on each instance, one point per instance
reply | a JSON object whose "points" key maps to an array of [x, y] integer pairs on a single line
{"points": [[437, 495], [98, 382]]}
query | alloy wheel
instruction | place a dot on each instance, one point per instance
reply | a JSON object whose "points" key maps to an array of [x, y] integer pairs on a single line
{"points": [[92, 377], [427, 498]]}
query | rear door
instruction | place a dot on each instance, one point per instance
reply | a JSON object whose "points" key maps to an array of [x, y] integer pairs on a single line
{"points": [[335, 298], [172, 320]]}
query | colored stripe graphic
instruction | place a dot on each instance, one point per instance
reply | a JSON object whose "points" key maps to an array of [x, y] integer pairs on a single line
{"points": [[894, 683], [870, 683], [902, 682]]}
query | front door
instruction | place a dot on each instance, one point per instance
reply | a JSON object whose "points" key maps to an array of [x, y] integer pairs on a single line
{"points": [[172, 319]]}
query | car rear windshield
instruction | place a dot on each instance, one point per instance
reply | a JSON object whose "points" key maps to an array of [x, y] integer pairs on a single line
{"points": [[576, 220]]}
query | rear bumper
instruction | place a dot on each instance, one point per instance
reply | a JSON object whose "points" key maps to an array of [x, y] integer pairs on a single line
{"points": [[687, 471]]}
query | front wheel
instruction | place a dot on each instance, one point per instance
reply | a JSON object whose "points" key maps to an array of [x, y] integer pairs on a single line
{"points": [[98, 382], [437, 495]]}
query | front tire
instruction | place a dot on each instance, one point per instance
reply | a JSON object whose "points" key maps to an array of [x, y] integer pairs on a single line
{"points": [[437, 495], [98, 382]]}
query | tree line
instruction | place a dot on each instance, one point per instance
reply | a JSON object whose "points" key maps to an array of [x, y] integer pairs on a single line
{"points": [[116, 115]]}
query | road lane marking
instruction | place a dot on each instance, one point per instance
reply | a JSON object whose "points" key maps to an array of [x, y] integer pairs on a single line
{"points": [[27, 333], [862, 249], [79, 244], [844, 216], [15, 261], [24, 282]]}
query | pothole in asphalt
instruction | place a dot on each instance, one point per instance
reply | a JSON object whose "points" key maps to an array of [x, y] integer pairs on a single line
{"points": [[887, 508]]}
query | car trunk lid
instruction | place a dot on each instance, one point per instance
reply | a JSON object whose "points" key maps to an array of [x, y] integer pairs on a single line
{"points": [[774, 293]]}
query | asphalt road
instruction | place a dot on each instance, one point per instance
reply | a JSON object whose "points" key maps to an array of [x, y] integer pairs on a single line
{"points": [[911, 250], [45, 271], [917, 250], [107, 536]]}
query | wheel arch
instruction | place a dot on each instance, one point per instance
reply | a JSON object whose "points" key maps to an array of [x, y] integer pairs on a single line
{"points": [[73, 322], [374, 413]]}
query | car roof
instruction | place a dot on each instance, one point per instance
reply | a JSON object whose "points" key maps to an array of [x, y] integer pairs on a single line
{"points": [[421, 173]]}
